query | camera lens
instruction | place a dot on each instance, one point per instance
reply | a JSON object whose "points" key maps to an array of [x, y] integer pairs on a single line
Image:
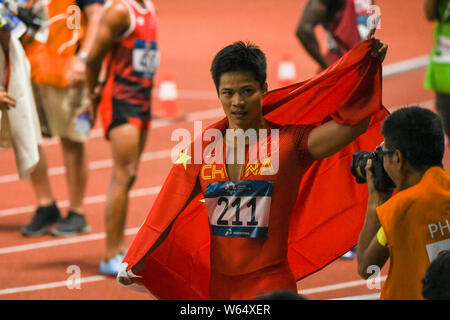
{"points": [[358, 165]]}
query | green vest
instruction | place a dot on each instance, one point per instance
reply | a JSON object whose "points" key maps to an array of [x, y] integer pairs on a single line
{"points": [[438, 71]]}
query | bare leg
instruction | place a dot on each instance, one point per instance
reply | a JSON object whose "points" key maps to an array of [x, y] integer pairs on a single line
{"points": [[47, 212], [76, 164], [41, 182], [127, 143]]}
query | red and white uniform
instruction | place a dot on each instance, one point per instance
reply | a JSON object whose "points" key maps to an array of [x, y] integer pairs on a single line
{"points": [[131, 66]]}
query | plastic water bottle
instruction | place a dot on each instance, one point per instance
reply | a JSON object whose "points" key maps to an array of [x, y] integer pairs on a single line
{"points": [[13, 23], [84, 123]]}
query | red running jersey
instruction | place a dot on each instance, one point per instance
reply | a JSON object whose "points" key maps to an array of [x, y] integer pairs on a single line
{"points": [[131, 66]]}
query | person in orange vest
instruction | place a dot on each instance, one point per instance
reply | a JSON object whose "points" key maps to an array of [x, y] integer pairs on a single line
{"points": [[57, 52], [127, 44], [412, 227]]}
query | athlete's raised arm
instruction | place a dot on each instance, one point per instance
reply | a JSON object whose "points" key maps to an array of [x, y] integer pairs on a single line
{"points": [[330, 137]]}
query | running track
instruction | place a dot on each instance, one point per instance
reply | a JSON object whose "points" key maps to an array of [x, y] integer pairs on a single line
{"points": [[191, 32]]}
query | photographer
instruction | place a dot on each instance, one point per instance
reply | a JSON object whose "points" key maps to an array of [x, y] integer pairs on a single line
{"points": [[413, 226]]}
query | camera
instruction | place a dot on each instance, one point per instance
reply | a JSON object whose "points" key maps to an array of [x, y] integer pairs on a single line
{"points": [[382, 181]]}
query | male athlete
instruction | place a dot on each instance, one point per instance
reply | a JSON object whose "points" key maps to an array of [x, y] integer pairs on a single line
{"points": [[127, 38], [250, 212]]}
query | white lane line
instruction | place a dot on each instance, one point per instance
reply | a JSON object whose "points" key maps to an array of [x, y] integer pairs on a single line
{"points": [[50, 285], [372, 296], [60, 242], [98, 278], [339, 286], [88, 200], [93, 165], [405, 66]]}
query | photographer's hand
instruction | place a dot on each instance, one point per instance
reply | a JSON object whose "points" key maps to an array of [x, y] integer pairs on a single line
{"points": [[376, 197], [369, 252]]}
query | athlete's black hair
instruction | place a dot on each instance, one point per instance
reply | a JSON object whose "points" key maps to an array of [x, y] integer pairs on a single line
{"points": [[238, 57], [418, 134]]}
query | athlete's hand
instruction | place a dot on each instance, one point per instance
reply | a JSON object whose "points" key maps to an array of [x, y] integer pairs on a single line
{"points": [[379, 48], [128, 279], [95, 97], [6, 101]]}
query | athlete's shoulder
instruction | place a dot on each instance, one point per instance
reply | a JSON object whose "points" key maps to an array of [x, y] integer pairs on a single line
{"points": [[116, 13], [116, 8]]}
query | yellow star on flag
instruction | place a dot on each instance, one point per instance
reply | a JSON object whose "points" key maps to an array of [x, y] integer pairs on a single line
{"points": [[183, 158]]}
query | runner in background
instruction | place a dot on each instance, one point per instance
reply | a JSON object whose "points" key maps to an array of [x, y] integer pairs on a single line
{"points": [[127, 39], [57, 54], [345, 23]]}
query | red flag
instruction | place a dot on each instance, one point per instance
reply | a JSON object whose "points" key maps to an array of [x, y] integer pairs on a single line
{"points": [[325, 223]]}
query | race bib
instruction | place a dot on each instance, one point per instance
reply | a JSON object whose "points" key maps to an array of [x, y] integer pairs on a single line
{"points": [[239, 208], [145, 58]]}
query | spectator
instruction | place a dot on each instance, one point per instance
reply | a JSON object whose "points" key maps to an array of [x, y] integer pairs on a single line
{"points": [[438, 71], [57, 53], [412, 226]]}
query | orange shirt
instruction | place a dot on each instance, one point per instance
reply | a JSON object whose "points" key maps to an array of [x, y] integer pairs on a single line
{"points": [[52, 49], [416, 222]]}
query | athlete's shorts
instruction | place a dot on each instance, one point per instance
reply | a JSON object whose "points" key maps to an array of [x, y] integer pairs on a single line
{"points": [[118, 112], [58, 110], [251, 285]]}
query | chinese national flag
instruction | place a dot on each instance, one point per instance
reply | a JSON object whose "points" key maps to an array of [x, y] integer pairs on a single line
{"points": [[330, 213]]}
